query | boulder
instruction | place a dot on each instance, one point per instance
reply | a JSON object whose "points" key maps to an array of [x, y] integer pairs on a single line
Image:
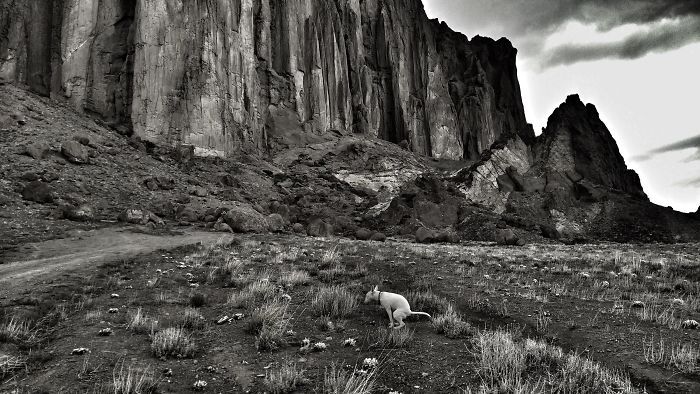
{"points": [[363, 234], [507, 237], [30, 176], [319, 228], [378, 237], [424, 235], [505, 183], [135, 216], [38, 191], [183, 153], [244, 219], [549, 231], [82, 139], [38, 150], [298, 228], [189, 214], [222, 227], [447, 236], [275, 222], [81, 213], [75, 152]]}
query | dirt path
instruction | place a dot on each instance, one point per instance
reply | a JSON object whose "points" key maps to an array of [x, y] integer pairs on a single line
{"points": [[46, 260]]}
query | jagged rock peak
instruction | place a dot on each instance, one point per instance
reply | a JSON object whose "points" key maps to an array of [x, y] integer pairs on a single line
{"points": [[231, 75], [577, 140]]}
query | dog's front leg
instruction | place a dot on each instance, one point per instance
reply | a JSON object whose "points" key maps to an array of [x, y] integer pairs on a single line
{"points": [[391, 317]]}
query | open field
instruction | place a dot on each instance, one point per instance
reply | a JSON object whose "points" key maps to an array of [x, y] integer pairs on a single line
{"points": [[284, 313]]}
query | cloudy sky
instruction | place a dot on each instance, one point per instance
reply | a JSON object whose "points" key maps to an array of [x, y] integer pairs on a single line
{"points": [[638, 61]]}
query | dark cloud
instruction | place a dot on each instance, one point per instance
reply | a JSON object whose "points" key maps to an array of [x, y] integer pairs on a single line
{"points": [[667, 24], [659, 38], [690, 143]]}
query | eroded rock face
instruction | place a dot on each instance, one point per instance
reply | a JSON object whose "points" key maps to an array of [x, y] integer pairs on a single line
{"points": [[577, 146], [225, 76]]}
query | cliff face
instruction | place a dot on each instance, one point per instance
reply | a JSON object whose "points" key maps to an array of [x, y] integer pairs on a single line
{"points": [[577, 145], [227, 75]]}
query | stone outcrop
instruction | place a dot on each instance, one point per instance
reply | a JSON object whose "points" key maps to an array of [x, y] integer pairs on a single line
{"points": [[577, 148], [226, 76]]}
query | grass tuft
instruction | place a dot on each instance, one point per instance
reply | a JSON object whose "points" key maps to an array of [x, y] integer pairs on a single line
{"points": [[393, 338], [338, 381], [286, 379], [172, 342], [452, 325], [334, 302], [133, 380]]}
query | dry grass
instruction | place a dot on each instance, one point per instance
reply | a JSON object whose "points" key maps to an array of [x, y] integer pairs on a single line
{"points": [[192, 319], [139, 323], [686, 358], [452, 325], [254, 293], [393, 338], [269, 323], [294, 278], [334, 302], [133, 380], [17, 331], [533, 366], [338, 381], [427, 301], [172, 342], [9, 365], [286, 379]]}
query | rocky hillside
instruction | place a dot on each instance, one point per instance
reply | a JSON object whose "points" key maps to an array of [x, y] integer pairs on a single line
{"points": [[227, 76], [338, 116]]}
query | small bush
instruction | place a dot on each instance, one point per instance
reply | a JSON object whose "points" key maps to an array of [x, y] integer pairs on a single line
{"points": [[451, 324], [133, 380], [270, 314], [338, 381], [172, 342], [393, 338], [333, 302], [286, 379]]}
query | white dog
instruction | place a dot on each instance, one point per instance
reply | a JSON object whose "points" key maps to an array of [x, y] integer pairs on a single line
{"points": [[395, 303]]}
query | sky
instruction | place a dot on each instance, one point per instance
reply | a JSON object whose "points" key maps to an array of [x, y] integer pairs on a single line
{"points": [[637, 61]]}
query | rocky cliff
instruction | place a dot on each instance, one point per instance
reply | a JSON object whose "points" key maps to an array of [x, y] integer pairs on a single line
{"points": [[576, 145], [238, 74]]}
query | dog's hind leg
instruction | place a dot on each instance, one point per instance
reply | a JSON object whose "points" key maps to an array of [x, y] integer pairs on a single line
{"points": [[391, 317], [399, 316]]}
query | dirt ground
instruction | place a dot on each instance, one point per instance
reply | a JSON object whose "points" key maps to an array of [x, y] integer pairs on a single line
{"points": [[581, 298]]}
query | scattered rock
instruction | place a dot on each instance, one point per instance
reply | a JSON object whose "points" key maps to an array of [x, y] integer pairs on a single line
{"points": [[105, 332], [37, 150], [242, 218], [275, 222], [38, 191], [363, 234], [30, 176], [690, 325], [549, 231], [80, 351], [637, 305], [75, 152], [199, 191], [183, 153], [189, 214], [82, 139], [319, 228], [224, 320], [378, 237], [134, 216]]}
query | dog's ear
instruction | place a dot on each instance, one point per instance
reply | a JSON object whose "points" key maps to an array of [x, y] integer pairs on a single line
{"points": [[376, 288]]}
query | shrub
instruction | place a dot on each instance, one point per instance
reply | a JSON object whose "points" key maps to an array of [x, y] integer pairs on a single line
{"points": [[140, 323], [451, 324], [333, 302], [192, 319], [256, 292], [427, 301], [198, 300], [172, 342]]}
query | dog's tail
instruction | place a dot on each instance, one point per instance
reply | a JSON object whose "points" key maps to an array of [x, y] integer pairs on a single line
{"points": [[422, 313]]}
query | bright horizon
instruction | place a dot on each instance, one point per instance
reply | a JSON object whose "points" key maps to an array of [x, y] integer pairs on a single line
{"points": [[648, 102]]}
